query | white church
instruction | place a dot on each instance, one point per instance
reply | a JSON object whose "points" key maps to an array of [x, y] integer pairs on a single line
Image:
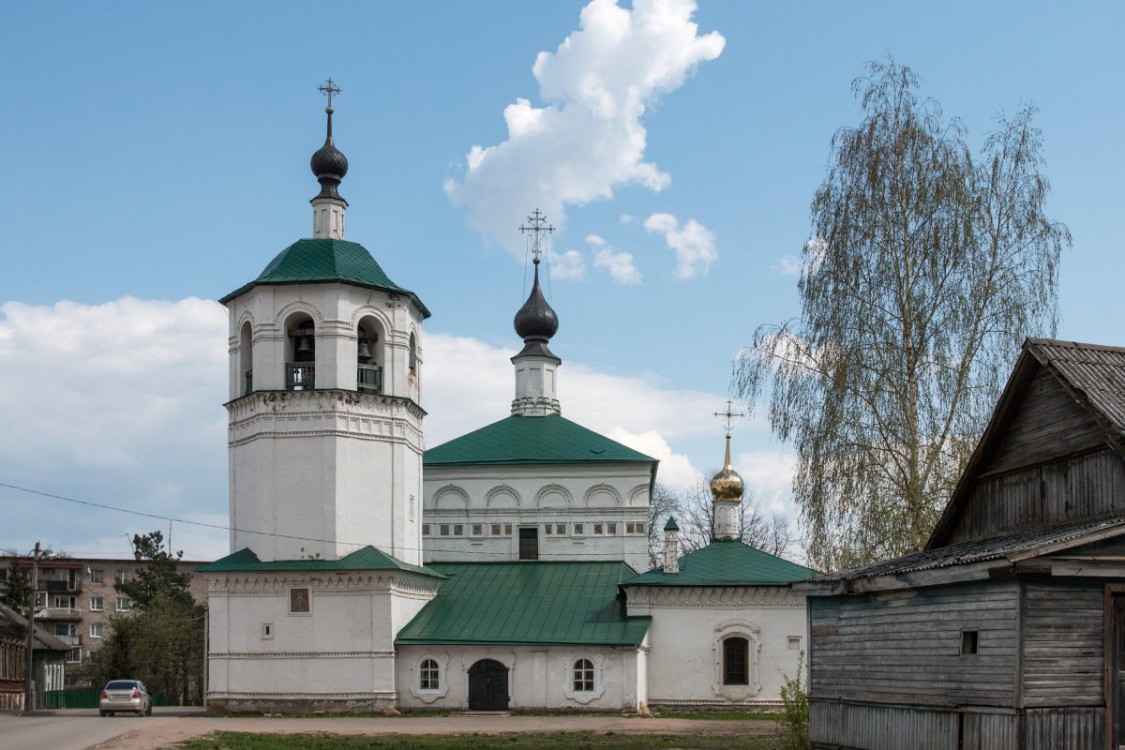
{"points": [[502, 570]]}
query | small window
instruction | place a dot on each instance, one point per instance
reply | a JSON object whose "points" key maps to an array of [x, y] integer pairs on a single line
{"points": [[611, 529], [736, 661], [599, 528], [124, 604], [969, 641], [579, 529], [65, 602], [583, 676], [97, 576], [97, 604], [794, 643], [429, 675], [444, 529], [548, 529], [425, 529], [478, 529], [298, 601], [267, 631], [121, 576], [458, 530], [507, 529], [496, 529], [560, 529], [413, 358], [97, 630]]}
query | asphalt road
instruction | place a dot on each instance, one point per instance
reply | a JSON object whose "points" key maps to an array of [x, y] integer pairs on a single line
{"points": [[83, 729]]}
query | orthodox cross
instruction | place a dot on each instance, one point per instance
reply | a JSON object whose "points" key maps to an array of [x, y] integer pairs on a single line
{"points": [[328, 89], [729, 415], [537, 225]]}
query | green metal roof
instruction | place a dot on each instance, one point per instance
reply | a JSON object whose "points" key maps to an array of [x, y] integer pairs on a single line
{"points": [[528, 603], [366, 558], [532, 440], [324, 260], [727, 564]]}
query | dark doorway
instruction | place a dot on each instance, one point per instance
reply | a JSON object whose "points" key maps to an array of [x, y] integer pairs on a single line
{"points": [[488, 686], [529, 543]]}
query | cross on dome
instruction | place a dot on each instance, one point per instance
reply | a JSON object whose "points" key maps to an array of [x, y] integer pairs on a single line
{"points": [[537, 225], [729, 415], [328, 89]]}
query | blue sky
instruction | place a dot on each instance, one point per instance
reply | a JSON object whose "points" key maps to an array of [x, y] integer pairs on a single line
{"points": [[157, 158]]}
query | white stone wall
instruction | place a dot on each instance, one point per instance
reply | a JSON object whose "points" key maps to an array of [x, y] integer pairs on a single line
{"points": [[538, 676], [341, 652], [688, 626], [596, 496]]}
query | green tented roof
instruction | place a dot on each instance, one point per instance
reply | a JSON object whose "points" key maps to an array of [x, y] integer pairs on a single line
{"points": [[528, 603], [532, 440], [324, 260], [727, 564], [366, 558]]}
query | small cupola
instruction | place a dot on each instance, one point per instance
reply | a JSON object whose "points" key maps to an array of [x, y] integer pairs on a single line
{"points": [[726, 488], [535, 323], [329, 165]]}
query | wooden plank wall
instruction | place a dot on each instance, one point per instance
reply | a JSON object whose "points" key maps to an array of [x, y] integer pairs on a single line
{"points": [[1064, 645], [1068, 490], [1047, 424], [1064, 729], [904, 647], [833, 725]]}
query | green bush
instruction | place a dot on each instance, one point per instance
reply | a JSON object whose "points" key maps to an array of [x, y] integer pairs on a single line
{"points": [[795, 709]]}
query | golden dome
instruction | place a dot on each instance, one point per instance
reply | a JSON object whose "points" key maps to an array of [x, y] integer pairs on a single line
{"points": [[727, 484]]}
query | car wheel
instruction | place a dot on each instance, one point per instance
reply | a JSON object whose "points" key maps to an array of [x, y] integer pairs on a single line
{"points": [[149, 713]]}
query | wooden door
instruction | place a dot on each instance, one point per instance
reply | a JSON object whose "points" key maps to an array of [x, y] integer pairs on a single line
{"points": [[488, 686]]}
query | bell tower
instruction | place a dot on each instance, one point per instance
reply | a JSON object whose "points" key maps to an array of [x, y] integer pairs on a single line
{"points": [[325, 428]]}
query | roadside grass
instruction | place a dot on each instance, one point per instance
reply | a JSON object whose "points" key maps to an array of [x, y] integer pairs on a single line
{"points": [[474, 741]]}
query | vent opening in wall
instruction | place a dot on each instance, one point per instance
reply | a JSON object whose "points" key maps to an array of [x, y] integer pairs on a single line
{"points": [[969, 640], [267, 630], [794, 643]]}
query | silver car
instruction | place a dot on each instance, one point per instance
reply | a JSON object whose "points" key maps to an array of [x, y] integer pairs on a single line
{"points": [[125, 695]]}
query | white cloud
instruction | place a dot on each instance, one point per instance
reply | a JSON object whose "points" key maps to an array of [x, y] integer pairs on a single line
{"points": [[769, 475], [676, 470], [568, 266], [694, 244], [787, 265], [617, 263], [589, 139]]}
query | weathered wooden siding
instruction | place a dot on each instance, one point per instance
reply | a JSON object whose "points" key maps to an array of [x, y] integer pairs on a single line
{"points": [[833, 724], [1046, 425], [1063, 645], [904, 647], [1063, 491], [1064, 729]]}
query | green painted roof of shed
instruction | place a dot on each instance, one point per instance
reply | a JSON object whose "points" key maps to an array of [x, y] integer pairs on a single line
{"points": [[532, 440], [528, 603], [727, 564], [365, 558], [324, 260]]}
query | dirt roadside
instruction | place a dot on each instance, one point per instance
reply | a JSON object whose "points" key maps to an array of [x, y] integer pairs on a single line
{"points": [[166, 732]]}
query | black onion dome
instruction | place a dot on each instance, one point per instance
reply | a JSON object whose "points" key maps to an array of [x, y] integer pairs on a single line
{"points": [[329, 164], [536, 321]]}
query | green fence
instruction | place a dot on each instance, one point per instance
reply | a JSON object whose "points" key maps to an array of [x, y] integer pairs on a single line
{"points": [[84, 698]]}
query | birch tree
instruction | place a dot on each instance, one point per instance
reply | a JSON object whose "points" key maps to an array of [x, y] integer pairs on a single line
{"points": [[926, 270]]}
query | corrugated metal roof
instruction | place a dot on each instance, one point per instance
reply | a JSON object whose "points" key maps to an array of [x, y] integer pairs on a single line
{"points": [[324, 260], [1095, 372], [726, 564], [977, 551], [366, 558], [532, 440], [528, 603]]}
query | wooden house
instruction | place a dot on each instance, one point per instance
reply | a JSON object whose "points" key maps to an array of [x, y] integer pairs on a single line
{"points": [[1008, 630]]}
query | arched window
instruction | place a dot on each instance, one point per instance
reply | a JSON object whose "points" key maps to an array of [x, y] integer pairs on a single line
{"points": [[246, 358], [369, 374], [413, 355], [583, 676], [429, 675], [736, 661], [300, 366]]}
